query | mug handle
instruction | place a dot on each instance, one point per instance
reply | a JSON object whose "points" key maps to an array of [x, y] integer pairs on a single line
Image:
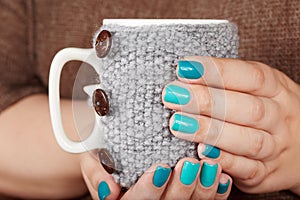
{"points": [[59, 61]]}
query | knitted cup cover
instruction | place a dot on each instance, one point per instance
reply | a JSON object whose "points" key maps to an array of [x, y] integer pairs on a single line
{"points": [[141, 61]]}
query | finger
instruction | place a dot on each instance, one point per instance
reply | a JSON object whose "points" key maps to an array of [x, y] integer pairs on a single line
{"points": [[248, 170], [234, 107], [269, 183], [207, 184], [151, 185], [100, 184], [252, 143], [224, 187], [184, 179], [232, 74]]}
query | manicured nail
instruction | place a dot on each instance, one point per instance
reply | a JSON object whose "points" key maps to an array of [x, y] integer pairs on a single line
{"points": [[161, 175], [177, 95], [103, 190], [190, 69], [211, 151], [189, 172], [185, 124], [208, 174], [223, 187]]}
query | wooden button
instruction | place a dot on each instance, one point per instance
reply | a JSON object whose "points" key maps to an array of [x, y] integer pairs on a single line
{"points": [[100, 102], [103, 43], [106, 160]]}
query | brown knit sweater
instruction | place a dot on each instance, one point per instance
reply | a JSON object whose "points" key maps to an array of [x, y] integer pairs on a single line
{"points": [[32, 31]]}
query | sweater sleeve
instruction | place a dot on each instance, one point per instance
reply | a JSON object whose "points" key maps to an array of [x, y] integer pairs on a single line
{"points": [[269, 32], [33, 31], [17, 72]]}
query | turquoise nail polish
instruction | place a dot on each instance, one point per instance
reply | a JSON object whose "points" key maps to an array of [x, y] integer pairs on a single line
{"points": [[223, 187], [161, 175], [103, 190], [177, 95], [208, 174], [211, 151], [189, 172], [190, 69], [185, 124]]}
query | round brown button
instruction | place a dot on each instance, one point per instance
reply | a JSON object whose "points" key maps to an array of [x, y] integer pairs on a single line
{"points": [[103, 43], [106, 160], [100, 102]]}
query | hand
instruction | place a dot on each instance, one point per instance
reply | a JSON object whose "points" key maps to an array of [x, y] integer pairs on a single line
{"points": [[160, 182], [97, 178], [248, 110]]}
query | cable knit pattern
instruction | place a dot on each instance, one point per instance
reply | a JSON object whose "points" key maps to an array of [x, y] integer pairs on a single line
{"points": [[142, 60]]}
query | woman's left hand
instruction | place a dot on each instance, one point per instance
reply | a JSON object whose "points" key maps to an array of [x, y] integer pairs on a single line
{"points": [[249, 111]]}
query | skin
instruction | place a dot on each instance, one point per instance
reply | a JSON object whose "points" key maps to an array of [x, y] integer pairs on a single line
{"points": [[144, 188], [33, 166], [251, 112]]}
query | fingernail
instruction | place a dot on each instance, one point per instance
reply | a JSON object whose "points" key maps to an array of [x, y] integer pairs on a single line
{"points": [[161, 175], [189, 172], [190, 69], [208, 174], [185, 124], [177, 95], [211, 151], [103, 190], [223, 187]]}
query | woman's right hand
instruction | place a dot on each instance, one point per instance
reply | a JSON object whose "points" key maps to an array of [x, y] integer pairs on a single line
{"points": [[190, 179]]}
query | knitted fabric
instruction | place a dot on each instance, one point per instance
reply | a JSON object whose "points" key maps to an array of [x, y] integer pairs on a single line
{"points": [[141, 62], [269, 32]]}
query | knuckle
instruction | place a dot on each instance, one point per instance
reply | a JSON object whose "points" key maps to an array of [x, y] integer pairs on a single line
{"points": [[281, 77], [258, 75], [256, 175], [255, 141], [204, 100], [257, 110], [203, 129], [271, 150], [213, 132], [200, 137], [276, 109], [244, 186], [244, 131], [227, 162], [256, 144], [253, 172]]}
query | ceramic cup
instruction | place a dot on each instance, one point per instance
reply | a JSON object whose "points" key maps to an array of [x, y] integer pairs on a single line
{"points": [[134, 60]]}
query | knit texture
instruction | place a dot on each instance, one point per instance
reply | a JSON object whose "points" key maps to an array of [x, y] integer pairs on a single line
{"points": [[141, 62], [33, 31]]}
